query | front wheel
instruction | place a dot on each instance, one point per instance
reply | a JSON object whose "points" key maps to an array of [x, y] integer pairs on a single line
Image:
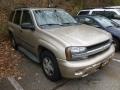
{"points": [[50, 66]]}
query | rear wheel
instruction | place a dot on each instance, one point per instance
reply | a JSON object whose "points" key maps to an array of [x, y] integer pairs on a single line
{"points": [[50, 66], [116, 44]]}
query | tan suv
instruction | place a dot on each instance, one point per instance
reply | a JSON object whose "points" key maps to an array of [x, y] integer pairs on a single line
{"points": [[53, 38]]}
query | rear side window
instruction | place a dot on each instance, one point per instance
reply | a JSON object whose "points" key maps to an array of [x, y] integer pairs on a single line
{"points": [[26, 18], [98, 13], [84, 13], [11, 16], [108, 14], [17, 17]]}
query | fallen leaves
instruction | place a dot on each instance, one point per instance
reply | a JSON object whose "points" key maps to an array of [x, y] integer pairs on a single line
{"points": [[9, 58]]}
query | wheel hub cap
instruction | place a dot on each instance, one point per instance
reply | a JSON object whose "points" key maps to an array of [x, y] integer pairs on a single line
{"points": [[48, 67]]}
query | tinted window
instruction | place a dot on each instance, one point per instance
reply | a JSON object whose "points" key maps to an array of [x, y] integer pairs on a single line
{"points": [[88, 21], [98, 13], [84, 13], [11, 16], [108, 14], [26, 18], [17, 17], [105, 22]]}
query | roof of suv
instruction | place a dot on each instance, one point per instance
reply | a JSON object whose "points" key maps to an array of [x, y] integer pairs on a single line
{"points": [[113, 8]]}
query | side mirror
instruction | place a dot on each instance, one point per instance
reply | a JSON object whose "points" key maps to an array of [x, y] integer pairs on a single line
{"points": [[27, 26]]}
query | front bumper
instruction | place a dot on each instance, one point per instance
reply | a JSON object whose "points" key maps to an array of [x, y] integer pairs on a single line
{"points": [[82, 68]]}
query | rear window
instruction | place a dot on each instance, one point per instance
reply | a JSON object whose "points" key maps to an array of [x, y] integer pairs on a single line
{"points": [[11, 16], [84, 13], [17, 17]]}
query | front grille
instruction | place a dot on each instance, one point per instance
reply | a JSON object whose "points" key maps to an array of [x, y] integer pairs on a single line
{"points": [[101, 47], [94, 50], [89, 48]]}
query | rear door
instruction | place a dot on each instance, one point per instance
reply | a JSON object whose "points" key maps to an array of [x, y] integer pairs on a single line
{"points": [[15, 26]]}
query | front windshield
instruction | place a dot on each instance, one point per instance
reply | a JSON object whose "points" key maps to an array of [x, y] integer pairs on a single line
{"points": [[105, 22], [53, 17]]}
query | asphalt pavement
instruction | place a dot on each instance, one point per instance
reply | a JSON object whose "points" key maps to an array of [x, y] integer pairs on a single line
{"points": [[34, 79]]}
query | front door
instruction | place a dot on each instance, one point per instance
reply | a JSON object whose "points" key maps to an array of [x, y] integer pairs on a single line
{"points": [[28, 36]]}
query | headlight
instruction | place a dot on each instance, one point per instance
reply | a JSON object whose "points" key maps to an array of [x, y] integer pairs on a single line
{"points": [[74, 53]]}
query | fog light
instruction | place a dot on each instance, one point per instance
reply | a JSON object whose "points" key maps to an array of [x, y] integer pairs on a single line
{"points": [[78, 73]]}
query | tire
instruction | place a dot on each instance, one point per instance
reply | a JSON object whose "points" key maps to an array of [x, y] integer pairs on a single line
{"points": [[116, 44], [13, 42], [50, 66]]}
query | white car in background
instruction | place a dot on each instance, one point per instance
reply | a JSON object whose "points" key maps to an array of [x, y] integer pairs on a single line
{"points": [[112, 12]]}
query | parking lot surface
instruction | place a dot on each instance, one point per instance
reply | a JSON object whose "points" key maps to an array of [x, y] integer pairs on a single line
{"points": [[34, 79]]}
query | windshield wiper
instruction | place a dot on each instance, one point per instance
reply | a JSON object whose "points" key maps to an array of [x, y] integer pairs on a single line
{"points": [[50, 24], [70, 23]]}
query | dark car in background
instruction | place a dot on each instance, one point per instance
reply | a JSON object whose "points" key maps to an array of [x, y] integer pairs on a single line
{"points": [[103, 23]]}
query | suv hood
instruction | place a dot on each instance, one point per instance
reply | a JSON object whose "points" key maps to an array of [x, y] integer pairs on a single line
{"points": [[79, 35]]}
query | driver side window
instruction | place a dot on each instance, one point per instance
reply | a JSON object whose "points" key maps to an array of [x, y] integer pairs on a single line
{"points": [[26, 18], [89, 21]]}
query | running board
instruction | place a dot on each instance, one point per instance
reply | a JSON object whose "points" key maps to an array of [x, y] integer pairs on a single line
{"points": [[28, 54]]}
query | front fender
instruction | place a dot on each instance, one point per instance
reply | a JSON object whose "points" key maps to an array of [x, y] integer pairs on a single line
{"points": [[57, 49]]}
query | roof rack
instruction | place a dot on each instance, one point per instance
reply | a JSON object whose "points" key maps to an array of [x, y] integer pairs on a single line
{"points": [[94, 8]]}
